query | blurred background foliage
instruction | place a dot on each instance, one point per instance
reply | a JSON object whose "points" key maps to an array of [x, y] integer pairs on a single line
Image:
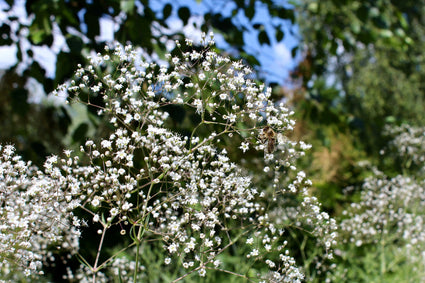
{"points": [[360, 67]]}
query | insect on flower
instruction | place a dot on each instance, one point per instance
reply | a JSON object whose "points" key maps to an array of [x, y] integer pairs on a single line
{"points": [[268, 135]]}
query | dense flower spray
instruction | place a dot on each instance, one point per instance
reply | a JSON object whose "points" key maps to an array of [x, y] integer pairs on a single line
{"points": [[176, 185], [407, 146], [388, 220], [35, 216]]}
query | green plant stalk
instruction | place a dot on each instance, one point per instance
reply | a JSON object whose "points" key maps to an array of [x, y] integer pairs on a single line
{"points": [[138, 241], [143, 229], [382, 255], [95, 268]]}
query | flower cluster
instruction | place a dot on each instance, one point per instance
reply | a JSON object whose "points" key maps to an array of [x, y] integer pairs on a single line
{"points": [[169, 180], [388, 220], [389, 207], [35, 216], [408, 144]]}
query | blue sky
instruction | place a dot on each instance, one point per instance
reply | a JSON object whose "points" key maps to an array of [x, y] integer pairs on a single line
{"points": [[275, 58]]}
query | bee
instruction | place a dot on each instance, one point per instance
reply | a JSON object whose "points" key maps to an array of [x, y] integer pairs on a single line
{"points": [[268, 135]]}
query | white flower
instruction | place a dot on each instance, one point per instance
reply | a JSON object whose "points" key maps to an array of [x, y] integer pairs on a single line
{"points": [[202, 272], [114, 211], [231, 118], [244, 146], [95, 202], [199, 106], [173, 248]]}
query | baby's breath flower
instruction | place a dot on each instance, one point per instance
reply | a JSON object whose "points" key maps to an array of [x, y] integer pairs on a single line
{"points": [[202, 272], [185, 192], [96, 218]]}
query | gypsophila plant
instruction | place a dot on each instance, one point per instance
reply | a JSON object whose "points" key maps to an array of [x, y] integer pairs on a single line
{"points": [[407, 145], [35, 216], [383, 236], [149, 186], [389, 219], [390, 207]]}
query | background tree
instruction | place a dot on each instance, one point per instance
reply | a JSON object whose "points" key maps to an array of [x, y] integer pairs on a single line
{"points": [[351, 100], [361, 70]]}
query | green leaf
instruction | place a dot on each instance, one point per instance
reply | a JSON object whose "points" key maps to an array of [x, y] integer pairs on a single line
{"points": [[374, 12], [386, 33], [40, 32], [279, 34], [136, 29], [313, 7], [252, 60], [64, 120], [37, 72], [75, 44], [355, 27], [80, 133], [19, 99], [263, 38], [36, 35], [19, 53], [258, 26], [403, 21], [184, 14], [127, 6], [250, 12], [91, 19], [294, 51], [66, 63], [166, 11], [283, 13], [240, 3]]}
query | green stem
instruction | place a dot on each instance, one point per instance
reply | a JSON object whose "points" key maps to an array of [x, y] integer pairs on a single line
{"points": [[139, 234], [383, 261], [95, 268], [143, 227]]}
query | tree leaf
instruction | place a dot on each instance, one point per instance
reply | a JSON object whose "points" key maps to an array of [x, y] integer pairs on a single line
{"points": [[263, 38], [66, 63], [166, 11], [184, 14], [91, 19], [75, 44], [19, 99], [294, 51], [127, 6], [279, 34], [37, 72], [250, 12], [258, 26], [80, 133]]}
